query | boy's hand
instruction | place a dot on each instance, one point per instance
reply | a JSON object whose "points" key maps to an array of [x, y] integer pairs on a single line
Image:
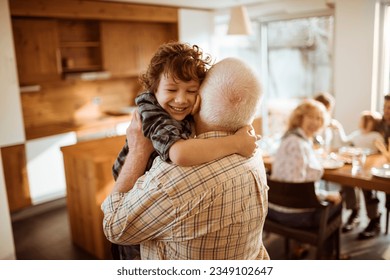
{"points": [[246, 141]]}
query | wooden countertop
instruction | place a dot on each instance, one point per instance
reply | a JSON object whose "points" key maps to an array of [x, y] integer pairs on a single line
{"points": [[96, 150], [86, 126]]}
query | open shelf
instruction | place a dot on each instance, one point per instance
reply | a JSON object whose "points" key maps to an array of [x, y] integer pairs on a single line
{"points": [[80, 47]]}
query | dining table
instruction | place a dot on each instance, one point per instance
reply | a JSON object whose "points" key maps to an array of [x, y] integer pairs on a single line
{"points": [[344, 175]]}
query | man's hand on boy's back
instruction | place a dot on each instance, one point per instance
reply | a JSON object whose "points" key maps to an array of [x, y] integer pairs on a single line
{"points": [[136, 140]]}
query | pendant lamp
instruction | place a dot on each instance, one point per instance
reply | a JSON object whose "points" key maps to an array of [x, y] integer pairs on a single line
{"points": [[239, 21]]}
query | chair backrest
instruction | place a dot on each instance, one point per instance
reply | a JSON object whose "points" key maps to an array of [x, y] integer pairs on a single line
{"points": [[293, 195]]}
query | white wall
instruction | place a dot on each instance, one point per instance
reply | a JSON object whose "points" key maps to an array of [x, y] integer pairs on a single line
{"points": [[353, 61], [196, 27], [11, 124], [7, 249], [45, 166]]}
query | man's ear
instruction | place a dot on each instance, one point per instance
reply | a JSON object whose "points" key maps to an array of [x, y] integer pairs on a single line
{"points": [[196, 107]]}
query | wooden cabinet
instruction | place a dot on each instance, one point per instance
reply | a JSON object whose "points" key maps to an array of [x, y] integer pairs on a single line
{"points": [[36, 48], [88, 182], [46, 49], [79, 46], [54, 38], [127, 47], [15, 175]]}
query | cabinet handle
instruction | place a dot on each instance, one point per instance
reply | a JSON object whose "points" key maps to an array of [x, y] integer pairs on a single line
{"points": [[30, 88], [58, 61]]}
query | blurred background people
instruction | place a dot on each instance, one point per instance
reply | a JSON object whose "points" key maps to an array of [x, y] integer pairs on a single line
{"points": [[296, 161], [368, 133], [384, 129], [365, 138], [332, 134], [384, 125]]}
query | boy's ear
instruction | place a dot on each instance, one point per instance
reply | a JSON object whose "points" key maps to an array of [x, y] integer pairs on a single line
{"points": [[196, 107]]}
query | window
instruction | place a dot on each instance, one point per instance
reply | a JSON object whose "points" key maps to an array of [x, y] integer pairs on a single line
{"points": [[298, 57], [383, 57], [293, 58]]}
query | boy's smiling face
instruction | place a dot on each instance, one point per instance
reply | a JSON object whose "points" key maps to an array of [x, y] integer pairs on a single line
{"points": [[177, 97]]}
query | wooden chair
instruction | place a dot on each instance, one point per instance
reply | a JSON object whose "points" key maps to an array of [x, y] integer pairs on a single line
{"points": [[387, 212], [302, 195]]}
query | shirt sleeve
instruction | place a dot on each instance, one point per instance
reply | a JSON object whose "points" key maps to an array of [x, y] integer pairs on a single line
{"points": [[159, 126], [294, 162], [120, 160], [142, 214]]}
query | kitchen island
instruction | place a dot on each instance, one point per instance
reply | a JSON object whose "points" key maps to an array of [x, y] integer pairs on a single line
{"points": [[88, 181]]}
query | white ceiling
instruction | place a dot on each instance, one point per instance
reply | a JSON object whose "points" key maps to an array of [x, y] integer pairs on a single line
{"points": [[207, 4]]}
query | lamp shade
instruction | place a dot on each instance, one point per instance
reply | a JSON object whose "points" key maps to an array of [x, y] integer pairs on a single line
{"points": [[239, 21]]}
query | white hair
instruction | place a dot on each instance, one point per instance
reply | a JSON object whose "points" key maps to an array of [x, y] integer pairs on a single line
{"points": [[230, 95]]}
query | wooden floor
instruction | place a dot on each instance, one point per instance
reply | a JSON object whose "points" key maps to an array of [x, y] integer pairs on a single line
{"points": [[46, 236]]}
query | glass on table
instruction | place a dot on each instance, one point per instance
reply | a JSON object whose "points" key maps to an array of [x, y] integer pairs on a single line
{"points": [[358, 161]]}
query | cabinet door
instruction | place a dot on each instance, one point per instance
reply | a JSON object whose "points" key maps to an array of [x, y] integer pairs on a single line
{"points": [[36, 47], [127, 47], [15, 175], [119, 48], [149, 37]]}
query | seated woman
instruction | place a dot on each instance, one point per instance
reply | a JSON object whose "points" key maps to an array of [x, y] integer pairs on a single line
{"points": [[332, 134], [296, 161]]}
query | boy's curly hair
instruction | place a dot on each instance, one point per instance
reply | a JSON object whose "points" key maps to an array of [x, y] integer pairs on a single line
{"points": [[179, 60]]}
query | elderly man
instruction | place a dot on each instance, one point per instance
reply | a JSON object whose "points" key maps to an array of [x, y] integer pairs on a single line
{"points": [[209, 211]]}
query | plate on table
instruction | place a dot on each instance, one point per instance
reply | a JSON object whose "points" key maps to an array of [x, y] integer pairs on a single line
{"points": [[351, 151], [347, 153], [332, 164], [382, 172]]}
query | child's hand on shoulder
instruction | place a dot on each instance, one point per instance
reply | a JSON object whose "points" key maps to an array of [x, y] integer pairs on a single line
{"points": [[246, 141]]}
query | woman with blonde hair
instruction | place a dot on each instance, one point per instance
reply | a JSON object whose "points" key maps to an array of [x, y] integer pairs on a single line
{"points": [[296, 161]]}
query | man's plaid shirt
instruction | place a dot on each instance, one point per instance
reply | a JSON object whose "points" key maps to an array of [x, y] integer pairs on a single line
{"points": [[210, 211]]}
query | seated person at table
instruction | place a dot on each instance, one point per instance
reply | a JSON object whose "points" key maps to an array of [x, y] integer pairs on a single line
{"points": [[296, 161], [367, 134], [384, 126], [384, 129], [365, 137], [332, 134], [374, 227]]}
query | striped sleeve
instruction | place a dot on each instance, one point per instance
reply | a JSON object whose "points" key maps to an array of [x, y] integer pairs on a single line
{"points": [[159, 126]]}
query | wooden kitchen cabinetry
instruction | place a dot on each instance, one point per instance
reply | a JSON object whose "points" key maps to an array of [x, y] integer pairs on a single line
{"points": [[127, 47], [79, 46], [88, 182], [15, 176], [36, 48], [54, 38], [47, 49]]}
